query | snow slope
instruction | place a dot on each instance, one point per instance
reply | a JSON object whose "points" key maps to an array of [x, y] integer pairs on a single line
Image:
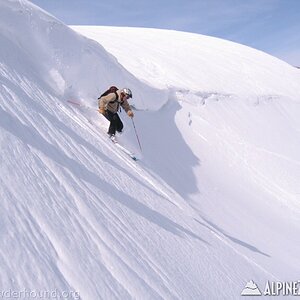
{"points": [[213, 202], [229, 136], [196, 63]]}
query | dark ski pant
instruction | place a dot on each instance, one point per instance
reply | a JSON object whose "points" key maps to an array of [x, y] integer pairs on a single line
{"points": [[115, 122]]}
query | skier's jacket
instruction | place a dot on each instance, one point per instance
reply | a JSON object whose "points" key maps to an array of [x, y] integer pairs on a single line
{"points": [[112, 102]]}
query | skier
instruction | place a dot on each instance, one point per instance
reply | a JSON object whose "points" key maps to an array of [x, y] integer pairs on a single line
{"points": [[109, 104]]}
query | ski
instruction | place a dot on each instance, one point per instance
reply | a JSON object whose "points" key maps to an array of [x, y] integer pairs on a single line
{"points": [[123, 149]]}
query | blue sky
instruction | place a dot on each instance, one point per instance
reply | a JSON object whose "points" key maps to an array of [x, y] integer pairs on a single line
{"points": [[269, 25]]}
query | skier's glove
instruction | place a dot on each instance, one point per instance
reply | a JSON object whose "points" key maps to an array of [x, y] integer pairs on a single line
{"points": [[102, 111], [130, 113]]}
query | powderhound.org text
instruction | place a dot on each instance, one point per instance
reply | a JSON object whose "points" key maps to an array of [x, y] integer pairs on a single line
{"points": [[38, 294]]}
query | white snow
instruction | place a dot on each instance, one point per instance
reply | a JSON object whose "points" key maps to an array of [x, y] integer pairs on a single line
{"points": [[213, 201], [196, 63]]}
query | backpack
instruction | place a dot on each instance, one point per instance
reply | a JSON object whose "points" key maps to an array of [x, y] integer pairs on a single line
{"points": [[112, 89]]}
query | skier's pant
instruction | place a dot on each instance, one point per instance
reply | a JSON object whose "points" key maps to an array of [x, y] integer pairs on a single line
{"points": [[115, 122]]}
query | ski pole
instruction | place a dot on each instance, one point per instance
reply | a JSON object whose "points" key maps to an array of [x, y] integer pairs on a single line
{"points": [[137, 137]]}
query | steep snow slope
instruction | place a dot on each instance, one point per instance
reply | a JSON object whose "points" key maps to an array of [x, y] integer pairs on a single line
{"points": [[58, 57], [230, 139], [79, 215]]}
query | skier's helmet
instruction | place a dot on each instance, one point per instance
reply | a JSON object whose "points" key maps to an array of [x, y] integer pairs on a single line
{"points": [[127, 92]]}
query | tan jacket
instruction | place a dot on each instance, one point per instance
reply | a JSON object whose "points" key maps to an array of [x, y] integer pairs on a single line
{"points": [[110, 103]]}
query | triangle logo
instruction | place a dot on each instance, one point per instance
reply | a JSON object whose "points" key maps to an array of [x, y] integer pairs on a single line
{"points": [[251, 289]]}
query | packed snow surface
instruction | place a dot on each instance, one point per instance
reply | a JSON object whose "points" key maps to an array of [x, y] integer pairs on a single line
{"points": [[213, 201]]}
